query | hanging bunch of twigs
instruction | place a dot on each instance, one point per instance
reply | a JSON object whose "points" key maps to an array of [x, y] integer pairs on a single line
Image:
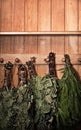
{"points": [[40, 103]]}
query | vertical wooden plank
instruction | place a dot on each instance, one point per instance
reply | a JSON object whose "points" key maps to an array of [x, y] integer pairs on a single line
{"points": [[72, 47], [30, 15], [71, 44], [58, 46], [79, 44], [13, 15], [26, 16], [19, 16], [58, 15], [12, 44], [44, 47], [15, 76], [0, 13], [80, 53], [44, 18], [79, 15], [71, 15], [6, 15], [18, 45], [42, 70], [30, 45], [0, 44], [5, 44]]}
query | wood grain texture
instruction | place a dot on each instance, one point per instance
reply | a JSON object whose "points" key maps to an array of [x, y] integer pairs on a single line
{"points": [[40, 15], [71, 15], [79, 44], [71, 45], [1, 76], [57, 15], [12, 44], [42, 70], [58, 44], [0, 14], [44, 21], [44, 47], [30, 44], [30, 15], [5, 44], [18, 16], [15, 76], [13, 16], [40, 58], [0, 44], [58, 49], [19, 44], [79, 15], [6, 15]]}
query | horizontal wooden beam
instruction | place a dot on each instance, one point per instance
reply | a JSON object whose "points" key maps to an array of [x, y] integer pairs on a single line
{"points": [[23, 58], [42, 33]]}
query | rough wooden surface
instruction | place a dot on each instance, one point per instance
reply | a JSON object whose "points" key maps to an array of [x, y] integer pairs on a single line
{"points": [[58, 12], [30, 17], [44, 16], [71, 15], [40, 15], [79, 7], [25, 47]]}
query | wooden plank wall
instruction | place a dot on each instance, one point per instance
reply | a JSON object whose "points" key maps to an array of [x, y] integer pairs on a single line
{"points": [[24, 47], [40, 15]]}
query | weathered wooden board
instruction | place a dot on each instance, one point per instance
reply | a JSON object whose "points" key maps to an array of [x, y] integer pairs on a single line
{"points": [[30, 45], [30, 15], [6, 15], [44, 47], [71, 15], [40, 58], [5, 44], [18, 16], [79, 15], [58, 15], [19, 44], [58, 44], [71, 44], [13, 16], [40, 15], [44, 17], [0, 14]]}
